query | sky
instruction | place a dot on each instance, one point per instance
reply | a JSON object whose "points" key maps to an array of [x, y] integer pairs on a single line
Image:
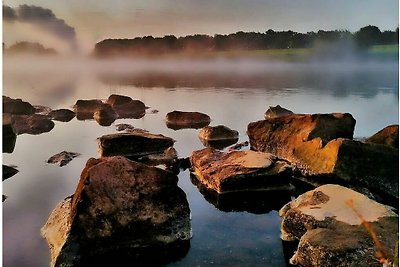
{"points": [[95, 20]]}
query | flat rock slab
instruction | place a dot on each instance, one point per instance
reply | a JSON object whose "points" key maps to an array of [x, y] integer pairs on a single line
{"points": [[277, 111], [133, 144], [240, 171], [62, 158], [183, 119], [32, 124], [63, 115], [387, 136], [124, 209], [342, 212]]}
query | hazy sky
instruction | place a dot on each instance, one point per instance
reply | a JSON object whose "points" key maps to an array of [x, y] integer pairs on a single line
{"points": [[95, 20]]}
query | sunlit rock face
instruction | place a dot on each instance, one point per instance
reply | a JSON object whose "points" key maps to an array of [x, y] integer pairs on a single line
{"points": [[321, 146], [133, 144], [121, 210], [183, 119], [240, 171], [126, 107], [277, 111], [387, 136], [330, 223]]}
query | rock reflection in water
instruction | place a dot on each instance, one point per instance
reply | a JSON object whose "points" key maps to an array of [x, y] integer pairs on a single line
{"points": [[256, 202]]}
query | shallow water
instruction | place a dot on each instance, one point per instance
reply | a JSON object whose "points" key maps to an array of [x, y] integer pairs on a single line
{"points": [[231, 93]]}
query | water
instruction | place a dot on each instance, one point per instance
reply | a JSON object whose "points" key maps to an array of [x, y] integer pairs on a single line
{"points": [[232, 93]]}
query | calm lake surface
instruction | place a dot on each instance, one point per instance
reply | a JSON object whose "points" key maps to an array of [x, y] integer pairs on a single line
{"points": [[231, 92]]}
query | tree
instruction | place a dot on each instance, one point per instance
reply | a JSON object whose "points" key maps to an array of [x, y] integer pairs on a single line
{"points": [[368, 36]]}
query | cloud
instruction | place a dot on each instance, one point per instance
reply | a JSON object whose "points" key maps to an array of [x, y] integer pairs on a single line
{"points": [[43, 18]]}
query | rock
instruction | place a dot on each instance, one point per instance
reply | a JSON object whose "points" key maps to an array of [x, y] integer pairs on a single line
{"points": [[387, 136], [133, 144], [9, 133], [180, 120], [32, 124], [42, 110], [126, 107], [62, 158], [154, 111], [85, 109], [314, 145], [218, 137], [343, 213], [63, 115], [8, 172], [17, 106], [277, 111], [239, 146], [124, 127], [124, 209], [105, 115], [4, 198], [240, 171]]}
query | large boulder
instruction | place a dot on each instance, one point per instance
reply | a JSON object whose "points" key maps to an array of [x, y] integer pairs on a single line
{"points": [[277, 111], [105, 115], [32, 124], [387, 136], [218, 136], [240, 171], [133, 144], [121, 211], [126, 107], [63, 115], [17, 106], [8, 172], [85, 109], [320, 146], [182, 119], [9, 133], [330, 223]]}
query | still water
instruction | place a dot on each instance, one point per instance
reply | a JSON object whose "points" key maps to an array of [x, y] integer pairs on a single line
{"points": [[232, 93]]}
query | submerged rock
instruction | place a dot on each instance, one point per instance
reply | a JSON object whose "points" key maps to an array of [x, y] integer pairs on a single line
{"points": [[62, 158], [167, 157], [17, 106], [239, 171], [9, 133], [32, 124], [316, 146], [105, 115], [218, 136], [133, 144], [277, 111], [63, 115], [85, 109], [126, 210], [124, 127], [180, 120], [343, 214], [126, 107], [8, 172], [42, 110], [387, 136]]}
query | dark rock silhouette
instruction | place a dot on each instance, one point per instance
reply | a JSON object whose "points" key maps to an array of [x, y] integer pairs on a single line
{"points": [[277, 111], [17, 106], [9, 133], [8, 172]]}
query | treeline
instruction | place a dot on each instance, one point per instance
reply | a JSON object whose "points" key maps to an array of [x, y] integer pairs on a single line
{"points": [[28, 48], [149, 45]]}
